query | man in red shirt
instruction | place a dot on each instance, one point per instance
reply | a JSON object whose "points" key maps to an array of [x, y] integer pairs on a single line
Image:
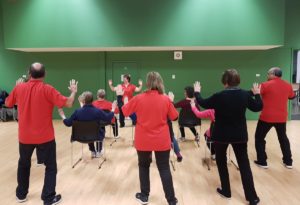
{"points": [[124, 94], [275, 94], [36, 101], [102, 104]]}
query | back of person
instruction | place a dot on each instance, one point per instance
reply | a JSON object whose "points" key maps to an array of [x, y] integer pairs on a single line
{"points": [[152, 131], [36, 101], [275, 94], [230, 122]]}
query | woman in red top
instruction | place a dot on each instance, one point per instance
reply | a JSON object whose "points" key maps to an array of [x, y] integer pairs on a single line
{"points": [[124, 94], [153, 109]]}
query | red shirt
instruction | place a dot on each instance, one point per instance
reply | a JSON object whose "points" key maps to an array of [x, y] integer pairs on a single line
{"points": [[275, 94], [105, 105], [35, 101], [128, 91], [152, 110]]}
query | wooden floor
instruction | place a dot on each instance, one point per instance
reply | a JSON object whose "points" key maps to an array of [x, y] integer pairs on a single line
{"points": [[117, 182]]}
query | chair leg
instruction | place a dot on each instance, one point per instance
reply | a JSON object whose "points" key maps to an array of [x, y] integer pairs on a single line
{"points": [[79, 160], [173, 160], [101, 161], [115, 140], [231, 161], [206, 159]]}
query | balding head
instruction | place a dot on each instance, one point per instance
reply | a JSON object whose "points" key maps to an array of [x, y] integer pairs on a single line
{"points": [[37, 70], [274, 72]]}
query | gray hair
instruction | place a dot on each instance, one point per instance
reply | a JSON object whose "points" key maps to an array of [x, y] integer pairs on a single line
{"points": [[276, 71], [86, 97], [101, 93]]}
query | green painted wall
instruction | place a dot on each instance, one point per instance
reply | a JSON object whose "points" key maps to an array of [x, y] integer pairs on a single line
{"points": [[292, 28], [102, 23]]}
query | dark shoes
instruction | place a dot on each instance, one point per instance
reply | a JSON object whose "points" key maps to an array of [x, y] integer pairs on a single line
{"points": [[263, 165], [223, 194], [56, 200], [142, 198], [175, 202], [254, 202]]}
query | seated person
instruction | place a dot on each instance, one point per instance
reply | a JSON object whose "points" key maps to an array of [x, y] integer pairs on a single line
{"points": [[105, 105], [185, 105], [210, 114], [3, 96], [88, 112]]}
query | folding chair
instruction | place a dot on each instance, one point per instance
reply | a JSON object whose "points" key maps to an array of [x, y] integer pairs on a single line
{"points": [[207, 158], [230, 160], [86, 132], [188, 119]]}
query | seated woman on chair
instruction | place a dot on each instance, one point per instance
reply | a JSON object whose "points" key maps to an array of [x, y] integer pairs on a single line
{"points": [[88, 112], [186, 108], [103, 104]]}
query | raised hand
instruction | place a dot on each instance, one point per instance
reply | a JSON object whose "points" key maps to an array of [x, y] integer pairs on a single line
{"points": [[73, 86], [19, 81], [171, 96], [256, 88], [197, 87], [110, 82], [140, 82]]}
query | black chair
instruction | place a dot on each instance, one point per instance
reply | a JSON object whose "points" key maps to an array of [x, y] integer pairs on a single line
{"points": [[188, 119], [86, 132], [110, 124]]}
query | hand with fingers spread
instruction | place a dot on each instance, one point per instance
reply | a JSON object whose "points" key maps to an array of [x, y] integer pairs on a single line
{"points": [[256, 89], [171, 96], [110, 82], [140, 82], [197, 87], [73, 86], [19, 81]]}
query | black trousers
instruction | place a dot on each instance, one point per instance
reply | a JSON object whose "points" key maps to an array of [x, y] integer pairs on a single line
{"points": [[162, 161], [47, 154], [260, 144], [193, 129], [241, 154]]}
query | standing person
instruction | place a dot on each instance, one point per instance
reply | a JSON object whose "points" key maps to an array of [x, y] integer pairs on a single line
{"points": [[103, 104], [153, 109], [275, 94], [185, 105], [231, 128], [127, 92], [36, 101]]}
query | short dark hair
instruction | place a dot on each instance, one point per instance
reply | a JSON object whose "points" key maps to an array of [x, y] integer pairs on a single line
{"points": [[189, 91], [37, 73], [127, 76], [231, 77]]}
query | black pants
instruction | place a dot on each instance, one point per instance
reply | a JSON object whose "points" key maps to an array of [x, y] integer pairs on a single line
{"points": [[47, 154], [162, 161], [193, 129], [260, 144], [241, 154]]}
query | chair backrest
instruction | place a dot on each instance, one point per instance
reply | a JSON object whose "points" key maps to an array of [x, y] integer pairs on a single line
{"points": [[187, 118], [85, 131]]}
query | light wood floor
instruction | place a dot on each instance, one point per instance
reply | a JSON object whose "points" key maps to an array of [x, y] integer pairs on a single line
{"points": [[117, 182]]}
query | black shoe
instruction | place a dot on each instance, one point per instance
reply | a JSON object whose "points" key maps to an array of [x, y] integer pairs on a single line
{"points": [[254, 202], [173, 202], [21, 200], [179, 157], [56, 200], [263, 165], [133, 123], [142, 198], [122, 125], [223, 194]]}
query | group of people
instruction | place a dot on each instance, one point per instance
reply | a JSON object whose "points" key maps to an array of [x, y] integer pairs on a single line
{"points": [[152, 112]]}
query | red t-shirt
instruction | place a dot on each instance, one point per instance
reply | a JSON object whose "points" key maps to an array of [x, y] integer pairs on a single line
{"points": [[128, 91], [152, 110], [35, 101], [105, 105], [275, 94]]}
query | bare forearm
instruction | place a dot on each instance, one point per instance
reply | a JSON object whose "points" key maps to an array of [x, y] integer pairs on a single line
{"points": [[70, 100]]}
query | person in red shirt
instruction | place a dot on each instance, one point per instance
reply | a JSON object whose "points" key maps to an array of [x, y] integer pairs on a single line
{"points": [[36, 101], [124, 94], [103, 104], [275, 94], [153, 109]]}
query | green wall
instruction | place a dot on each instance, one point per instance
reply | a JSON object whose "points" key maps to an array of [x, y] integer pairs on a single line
{"points": [[113, 23], [93, 69]]}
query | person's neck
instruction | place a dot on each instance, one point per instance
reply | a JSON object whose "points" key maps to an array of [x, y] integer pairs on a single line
{"points": [[41, 79], [101, 99]]}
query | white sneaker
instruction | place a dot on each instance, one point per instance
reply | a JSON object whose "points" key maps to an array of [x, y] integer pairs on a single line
{"points": [[117, 137], [99, 154], [213, 157], [288, 166], [182, 139], [93, 154], [21, 200]]}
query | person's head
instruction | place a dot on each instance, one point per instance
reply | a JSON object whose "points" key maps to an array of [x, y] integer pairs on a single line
{"points": [[86, 98], [101, 94], [231, 78], [126, 78], [155, 82], [274, 72], [189, 92], [37, 70]]}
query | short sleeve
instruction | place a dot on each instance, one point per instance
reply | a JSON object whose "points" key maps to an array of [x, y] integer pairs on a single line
{"points": [[11, 100], [56, 98]]}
